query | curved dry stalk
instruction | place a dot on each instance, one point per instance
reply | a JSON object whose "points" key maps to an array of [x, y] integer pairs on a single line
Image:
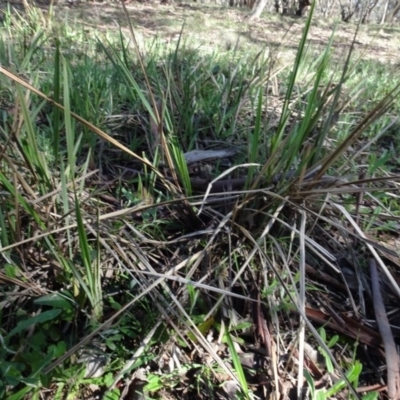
{"points": [[302, 301], [393, 284], [392, 357], [227, 172]]}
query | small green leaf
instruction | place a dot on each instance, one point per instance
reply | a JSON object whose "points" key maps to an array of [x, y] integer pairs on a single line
{"points": [[204, 327], [310, 382], [154, 384], [37, 319], [354, 372], [321, 395], [116, 306], [113, 395], [352, 375], [21, 394], [110, 344], [10, 270], [333, 341], [322, 333], [370, 396], [237, 364], [56, 300], [108, 380], [57, 350], [241, 325]]}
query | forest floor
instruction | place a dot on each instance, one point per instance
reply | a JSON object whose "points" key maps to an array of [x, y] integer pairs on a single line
{"points": [[86, 281], [219, 28]]}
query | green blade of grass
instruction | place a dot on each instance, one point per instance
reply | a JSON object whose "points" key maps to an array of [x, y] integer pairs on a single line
{"points": [[237, 364]]}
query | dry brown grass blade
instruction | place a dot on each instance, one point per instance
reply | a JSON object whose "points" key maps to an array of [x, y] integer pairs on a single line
{"points": [[335, 183], [262, 330], [302, 299], [387, 251], [393, 284], [347, 326], [136, 208], [18, 282], [392, 357], [369, 119], [325, 278], [218, 178], [154, 140]]}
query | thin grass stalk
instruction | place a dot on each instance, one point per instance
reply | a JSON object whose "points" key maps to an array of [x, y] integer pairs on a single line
{"points": [[312, 113], [17, 228], [302, 301], [367, 121], [92, 288], [92, 274], [97, 288], [395, 287], [37, 42], [69, 131], [66, 209], [181, 167], [334, 107], [270, 167], [236, 363], [254, 140], [31, 150], [277, 138], [5, 239]]}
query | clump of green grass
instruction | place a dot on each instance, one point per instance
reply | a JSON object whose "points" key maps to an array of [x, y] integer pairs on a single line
{"points": [[170, 275]]}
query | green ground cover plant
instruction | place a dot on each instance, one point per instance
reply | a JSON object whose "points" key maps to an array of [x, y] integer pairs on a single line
{"points": [[179, 222]]}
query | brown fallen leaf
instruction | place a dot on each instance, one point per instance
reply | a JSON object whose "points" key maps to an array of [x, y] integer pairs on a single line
{"points": [[349, 327]]}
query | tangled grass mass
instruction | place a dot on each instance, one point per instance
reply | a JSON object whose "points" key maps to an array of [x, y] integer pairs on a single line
{"points": [[186, 222]]}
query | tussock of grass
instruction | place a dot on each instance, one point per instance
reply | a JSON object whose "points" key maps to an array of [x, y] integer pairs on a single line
{"points": [[129, 267]]}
